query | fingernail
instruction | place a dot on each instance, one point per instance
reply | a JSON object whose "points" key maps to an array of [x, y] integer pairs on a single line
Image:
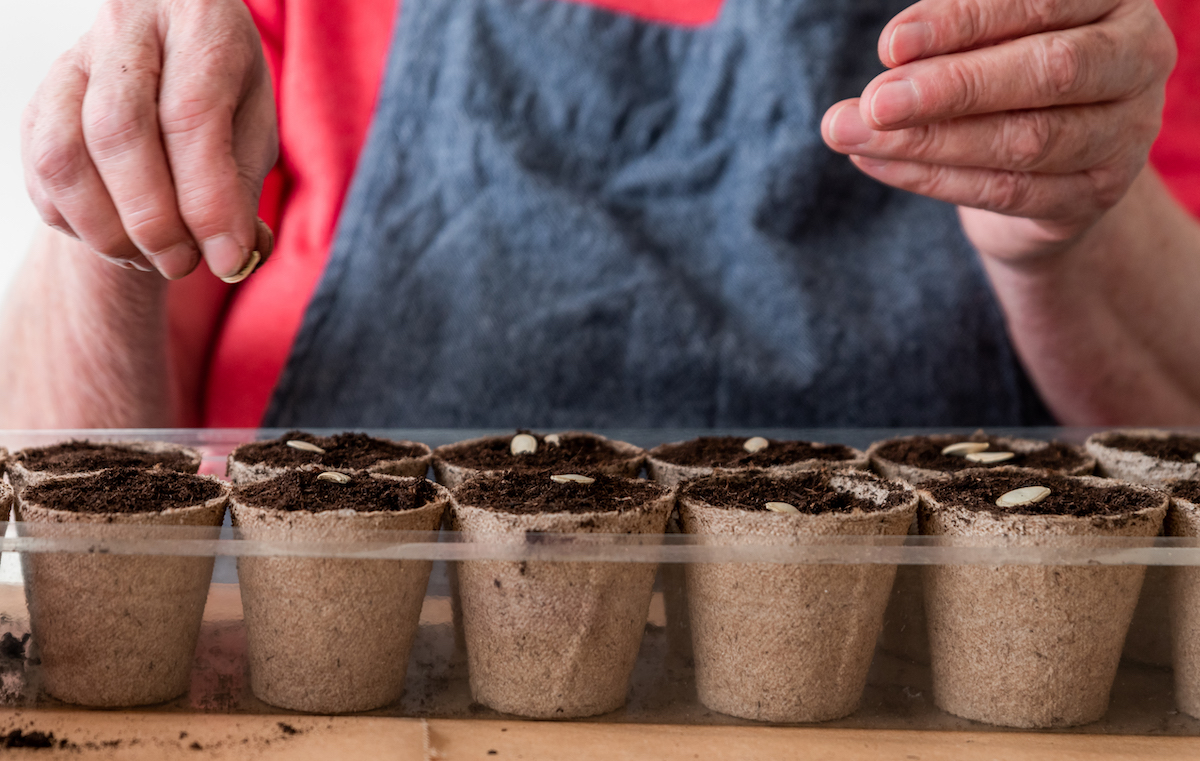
{"points": [[895, 102], [848, 128], [865, 162], [225, 257], [910, 41], [176, 261]]}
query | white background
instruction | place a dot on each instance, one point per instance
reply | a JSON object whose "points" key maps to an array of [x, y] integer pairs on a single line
{"points": [[32, 34]]}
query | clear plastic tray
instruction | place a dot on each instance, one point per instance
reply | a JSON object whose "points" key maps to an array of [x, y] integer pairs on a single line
{"points": [[662, 690]]}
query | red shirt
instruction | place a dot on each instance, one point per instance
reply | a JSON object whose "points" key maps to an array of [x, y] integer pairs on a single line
{"points": [[326, 59]]}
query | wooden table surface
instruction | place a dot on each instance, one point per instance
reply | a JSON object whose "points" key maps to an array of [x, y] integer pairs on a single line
{"points": [[121, 735]]}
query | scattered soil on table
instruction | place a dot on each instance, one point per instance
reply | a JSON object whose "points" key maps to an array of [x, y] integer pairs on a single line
{"points": [[573, 454], [532, 492], [298, 490], [345, 450], [1188, 490], [730, 452], [1175, 448], [17, 738], [1068, 496], [810, 493], [124, 490], [83, 456], [926, 452]]}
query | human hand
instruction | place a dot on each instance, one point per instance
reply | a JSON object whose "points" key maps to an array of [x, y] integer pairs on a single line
{"points": [[1033, 117], [149, 140]]}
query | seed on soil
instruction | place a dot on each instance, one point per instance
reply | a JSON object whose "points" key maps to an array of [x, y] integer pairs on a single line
{"points": [[333, 475], [572, 478], [990, 458], [305, 446], [552, 439], [1026, 495], [781, 507], [1196, 457], [756, 444], [964, 448], [523, 443]]}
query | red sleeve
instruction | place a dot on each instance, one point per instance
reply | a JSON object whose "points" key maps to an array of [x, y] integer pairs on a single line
{"points": [[1176, 153]]}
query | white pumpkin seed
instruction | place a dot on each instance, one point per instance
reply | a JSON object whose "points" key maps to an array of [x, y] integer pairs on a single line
{"points": [[305, 446], [964, 448], [990, 458], [1026, 495], [523, 443], [333, 475], [246, 269], [781, 507], [572, 478], [755, 444], [552, 439], [1196, 457]]}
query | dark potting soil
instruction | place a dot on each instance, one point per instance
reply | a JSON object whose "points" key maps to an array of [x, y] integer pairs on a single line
{"points": [[84, 456], [979, 491], [344, 450], [729, 452], [1188, 490], [301, 490], [533, 492], [926, 452], [1175, 448], [124, 490], [17, 738], [811, 493], [572, 454]]}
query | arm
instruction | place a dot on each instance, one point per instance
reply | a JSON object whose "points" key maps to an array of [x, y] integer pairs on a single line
{"points": [[1036, 120], [1109, 329]]}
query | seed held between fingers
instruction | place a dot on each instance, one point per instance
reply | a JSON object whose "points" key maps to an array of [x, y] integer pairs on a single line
{"points": [[523, 443], [334, 476], [305, 446], [251, 262], [964, 448], [572, 478], [755, 444], [990, 458], [1026, 495], [781, 507]]}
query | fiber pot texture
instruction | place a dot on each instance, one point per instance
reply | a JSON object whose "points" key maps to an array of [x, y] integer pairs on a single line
{"points": [[905, 632], [620, 458], [21, 474], [110, 630], [1149, 639], [1184, 582], [663, 471], [1031, 646], [547, 639], [330, 635], [789, 642], [245, 464]]}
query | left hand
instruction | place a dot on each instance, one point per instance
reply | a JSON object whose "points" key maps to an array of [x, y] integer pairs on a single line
{"points": [[1033, 117]]}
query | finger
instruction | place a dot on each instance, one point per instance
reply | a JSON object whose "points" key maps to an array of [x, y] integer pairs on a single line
{"points": [[218, 118], [1050, 140], [64, 183], [1066, 198], [1088, 64], [120, 125], [935, 27]]}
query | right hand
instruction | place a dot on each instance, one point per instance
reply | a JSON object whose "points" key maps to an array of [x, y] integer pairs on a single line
{"points": [[149, 140]]}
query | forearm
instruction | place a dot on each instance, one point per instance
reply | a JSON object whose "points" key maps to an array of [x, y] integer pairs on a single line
{"points": [[86, 345], [1109, 329]]}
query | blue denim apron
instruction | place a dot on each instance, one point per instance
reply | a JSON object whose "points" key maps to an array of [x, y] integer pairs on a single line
{"points": [[567, 217]]}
